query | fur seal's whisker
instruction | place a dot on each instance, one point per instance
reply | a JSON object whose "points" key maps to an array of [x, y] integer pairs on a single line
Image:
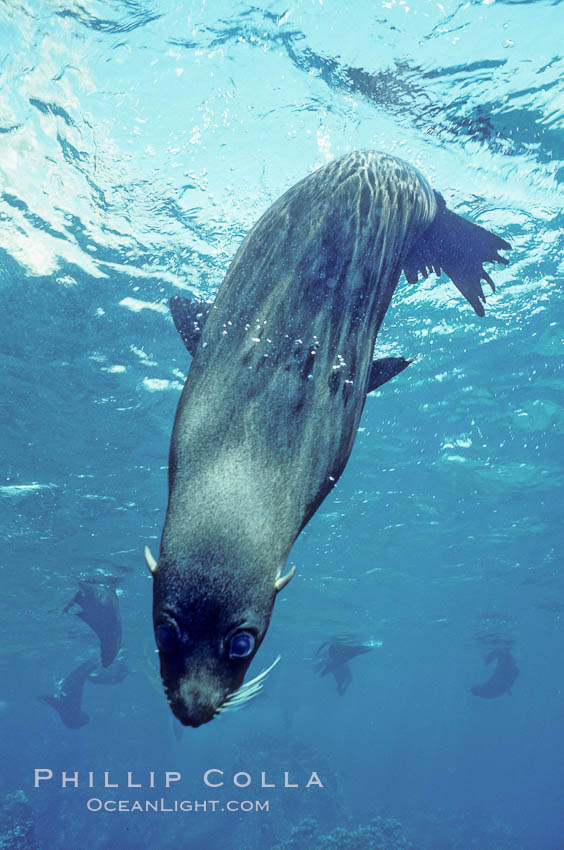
{"points": [[247, 691], [248, 685], [237, 704], [263, 674], [242, 698]]}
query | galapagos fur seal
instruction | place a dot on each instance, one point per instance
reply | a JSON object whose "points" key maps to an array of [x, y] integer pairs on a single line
{"points": [[282, 362], [333, 657], [503, 677]]}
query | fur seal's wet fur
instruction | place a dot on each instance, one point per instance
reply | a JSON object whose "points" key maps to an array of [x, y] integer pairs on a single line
{"points": [[502, 679], [271, 406]]}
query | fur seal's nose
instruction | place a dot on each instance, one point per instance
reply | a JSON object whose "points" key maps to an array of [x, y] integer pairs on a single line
{"points": [[195, 705]]}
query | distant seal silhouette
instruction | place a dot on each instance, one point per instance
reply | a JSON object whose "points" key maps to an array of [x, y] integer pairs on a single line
{"points": [[282, 363], [68, 700], [502, 679], [100, 610], [333, 657]]}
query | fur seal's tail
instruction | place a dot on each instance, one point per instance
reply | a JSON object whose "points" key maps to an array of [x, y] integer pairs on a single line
{"points": [[459, 248]]}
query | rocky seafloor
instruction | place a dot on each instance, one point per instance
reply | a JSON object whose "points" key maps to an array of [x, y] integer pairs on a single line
{"points": [[17, 830]]}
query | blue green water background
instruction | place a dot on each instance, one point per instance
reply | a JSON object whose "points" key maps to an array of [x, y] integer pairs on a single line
{"points": [[139, 141]]}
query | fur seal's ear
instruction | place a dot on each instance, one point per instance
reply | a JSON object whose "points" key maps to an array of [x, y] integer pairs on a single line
{"points": [[384, 370], [189, 318], [151, 563], [282, 581]]}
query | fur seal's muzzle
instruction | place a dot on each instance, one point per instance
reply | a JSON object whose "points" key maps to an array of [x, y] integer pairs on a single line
{"points": [[194, 705], [207, 633]]}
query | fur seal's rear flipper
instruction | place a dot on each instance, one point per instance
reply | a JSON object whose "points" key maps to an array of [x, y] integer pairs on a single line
{"points": [[384, 370], [189, 318], [458, 247], [343, 678], [67, 701]]}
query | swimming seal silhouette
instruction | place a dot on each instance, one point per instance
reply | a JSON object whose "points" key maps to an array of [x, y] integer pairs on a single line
{"points": [[502, 679], [100, 610], [282, 362], [333, 657], [68, 700]]}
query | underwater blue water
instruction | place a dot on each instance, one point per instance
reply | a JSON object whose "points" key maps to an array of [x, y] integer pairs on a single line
{"points": [[139, 141]]}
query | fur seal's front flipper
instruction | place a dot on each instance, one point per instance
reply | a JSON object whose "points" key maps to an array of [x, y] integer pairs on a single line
{"points": [[384, 370], [189, 318], [458, 247]]}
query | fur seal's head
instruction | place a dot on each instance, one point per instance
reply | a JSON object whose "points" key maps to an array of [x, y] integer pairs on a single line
{"points": [[209, 624]]}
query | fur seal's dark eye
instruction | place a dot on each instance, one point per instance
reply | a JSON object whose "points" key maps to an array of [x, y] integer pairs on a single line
{"points": [[241, 645], [167, 638]]}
